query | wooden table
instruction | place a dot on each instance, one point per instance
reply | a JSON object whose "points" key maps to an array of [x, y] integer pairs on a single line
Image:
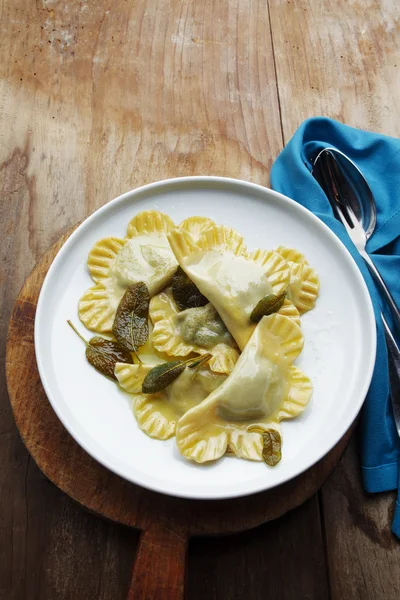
{"points": [[100, 96]]}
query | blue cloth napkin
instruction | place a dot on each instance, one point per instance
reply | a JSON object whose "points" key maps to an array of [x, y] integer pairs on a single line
{"points": [[378, 157]]}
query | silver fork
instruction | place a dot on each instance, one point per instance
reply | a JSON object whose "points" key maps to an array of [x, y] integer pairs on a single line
{"points": [[331, 179], [359, 239], [357, 235]]}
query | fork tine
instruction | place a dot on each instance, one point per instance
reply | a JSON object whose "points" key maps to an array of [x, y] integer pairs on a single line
{"points": [[353, 218], [343, 218]]}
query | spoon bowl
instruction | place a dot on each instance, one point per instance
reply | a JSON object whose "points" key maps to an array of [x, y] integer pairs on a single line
{"points": [[346, 186]]}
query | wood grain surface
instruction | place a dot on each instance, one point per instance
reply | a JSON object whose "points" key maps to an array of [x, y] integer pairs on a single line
{"points": [[97, 97]]}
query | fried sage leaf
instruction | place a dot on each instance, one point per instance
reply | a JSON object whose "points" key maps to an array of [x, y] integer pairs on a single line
{"points": [[131, 327], [185, 292], [272, 444], [104, 354], [163, 375], [266, 306]]}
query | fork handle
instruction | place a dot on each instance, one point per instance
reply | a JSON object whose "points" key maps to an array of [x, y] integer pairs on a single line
{"points": [[393, 348], [382, 286], [394, 375]]}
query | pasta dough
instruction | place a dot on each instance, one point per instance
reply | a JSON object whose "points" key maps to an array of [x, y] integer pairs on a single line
{"points": [[232, 279], [115, 264], [263, 388], [157, 414], [199, 330], [304, 283]]}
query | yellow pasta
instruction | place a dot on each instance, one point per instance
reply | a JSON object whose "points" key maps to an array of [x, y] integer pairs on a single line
{"points": [[263, 389], [230, 278], [194, 330]]}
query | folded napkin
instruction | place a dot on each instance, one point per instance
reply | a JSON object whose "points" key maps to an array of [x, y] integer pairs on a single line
{"points": [[378, 157]]}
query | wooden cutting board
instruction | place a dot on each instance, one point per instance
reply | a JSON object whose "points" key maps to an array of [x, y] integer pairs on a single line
{"points": [[166, 522]]}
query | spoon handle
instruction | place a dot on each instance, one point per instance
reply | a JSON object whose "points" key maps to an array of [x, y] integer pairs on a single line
{"points": [[382, 286]]}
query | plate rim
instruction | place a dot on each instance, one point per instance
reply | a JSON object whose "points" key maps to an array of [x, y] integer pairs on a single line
{"points": [[193, 180]]}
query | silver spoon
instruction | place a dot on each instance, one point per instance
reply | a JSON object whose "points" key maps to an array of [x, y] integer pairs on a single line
{"points": [[353, 202]]}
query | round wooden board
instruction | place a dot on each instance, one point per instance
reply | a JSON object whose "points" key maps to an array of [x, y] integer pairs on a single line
{"points": [[166, 522]]}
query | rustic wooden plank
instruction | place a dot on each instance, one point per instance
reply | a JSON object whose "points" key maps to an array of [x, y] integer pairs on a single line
{"points": [[143, 92], [51, 548], [14, 462], [281, 559], [342, 60], [82, 556], [363, 554], [338, 59]]}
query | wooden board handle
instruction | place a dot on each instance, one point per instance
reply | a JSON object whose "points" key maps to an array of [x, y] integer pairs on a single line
{"points": [[159, 570]]}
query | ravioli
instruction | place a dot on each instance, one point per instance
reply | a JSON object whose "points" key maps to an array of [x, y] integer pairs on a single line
{"points": [[196, 225], [115, 264], [288, 309], [234, 402], [194, 330], [304, 286], [131, 379], [157, 414], [292, 255], [232, 279], [304, 282], [263, 388]]}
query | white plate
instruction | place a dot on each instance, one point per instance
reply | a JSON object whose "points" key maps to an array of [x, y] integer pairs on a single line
{"points": [[339, 351]]}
